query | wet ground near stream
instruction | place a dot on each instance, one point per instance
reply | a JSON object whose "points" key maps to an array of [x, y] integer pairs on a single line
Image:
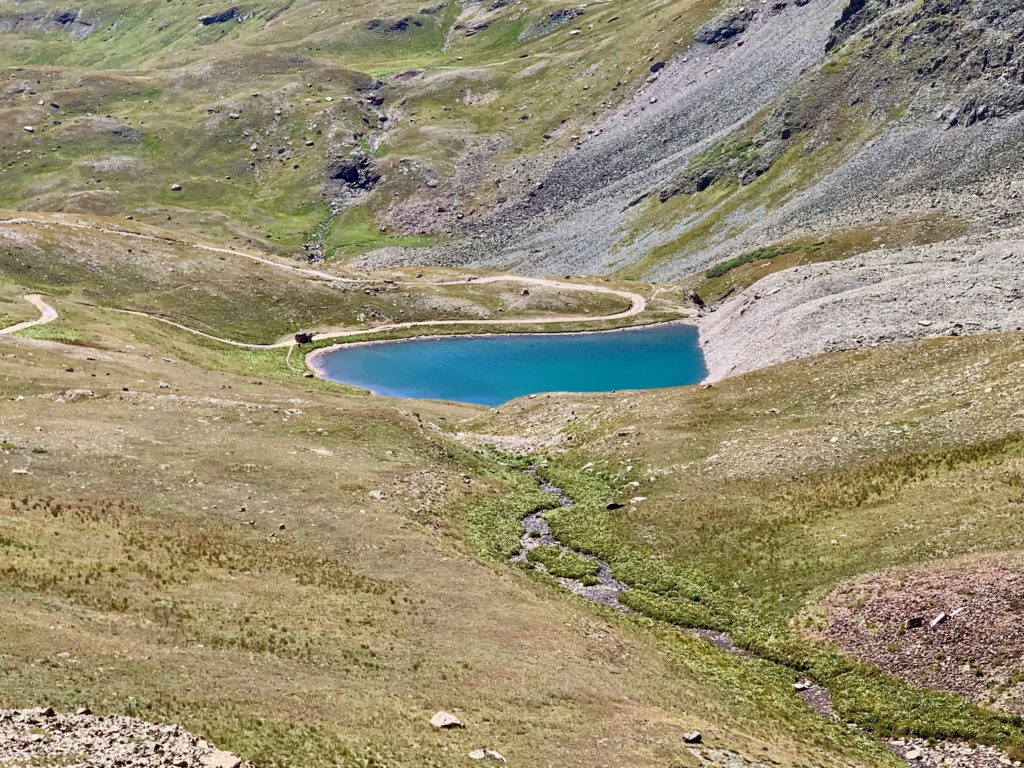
{"points": [[608, 590]]}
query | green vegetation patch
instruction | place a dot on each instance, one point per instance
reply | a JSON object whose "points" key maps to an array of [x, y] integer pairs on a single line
{"points": [[562, 563], [494, 524], [760, 254]]}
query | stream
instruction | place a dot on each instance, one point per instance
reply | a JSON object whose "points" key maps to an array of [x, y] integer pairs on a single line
{"points": [[608, 589], [537, 533]]}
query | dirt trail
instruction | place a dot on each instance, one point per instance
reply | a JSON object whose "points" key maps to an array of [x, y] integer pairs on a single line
{"points": [[47, 314], [637, 302], [53, 220]]}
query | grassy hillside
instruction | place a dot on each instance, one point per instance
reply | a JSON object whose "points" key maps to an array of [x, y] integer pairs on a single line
{"points": [[195, 530], [207, 550], [753, 498]]}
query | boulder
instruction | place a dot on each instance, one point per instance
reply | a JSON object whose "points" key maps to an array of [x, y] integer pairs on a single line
{"points": [[354, 175], [693, 737], [725, 26], [445, 720], [220, 17], [220, 759]]}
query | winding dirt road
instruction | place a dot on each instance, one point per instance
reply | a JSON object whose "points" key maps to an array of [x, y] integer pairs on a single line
{"points": [[47, 314], [637, 302]]}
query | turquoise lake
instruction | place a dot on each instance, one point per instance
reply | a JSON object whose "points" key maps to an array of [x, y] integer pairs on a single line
{"points": [[493, 369]]}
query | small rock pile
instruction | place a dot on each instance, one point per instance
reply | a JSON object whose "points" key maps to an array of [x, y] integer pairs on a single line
{"points": [[83, 740], [951, 754], [954, 628]]}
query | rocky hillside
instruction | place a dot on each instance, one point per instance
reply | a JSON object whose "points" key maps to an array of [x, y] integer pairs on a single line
{"points": [[829, 130], [782, 120], [650, 139]]}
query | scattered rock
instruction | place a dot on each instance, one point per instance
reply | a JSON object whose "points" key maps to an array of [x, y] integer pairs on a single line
{"points": [[175, 187], [83, 740], [70, 395]]}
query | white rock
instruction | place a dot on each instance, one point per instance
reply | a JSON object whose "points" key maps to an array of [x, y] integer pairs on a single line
{"points": [[221, 760], [444, 719], [487, 754]]}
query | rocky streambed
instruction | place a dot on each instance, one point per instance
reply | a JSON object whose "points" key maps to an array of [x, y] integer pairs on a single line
{"points": [[537, 533], [606, 590]]}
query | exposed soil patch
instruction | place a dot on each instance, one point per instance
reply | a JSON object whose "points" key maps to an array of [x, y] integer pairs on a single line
{"points": [[958, 629]]}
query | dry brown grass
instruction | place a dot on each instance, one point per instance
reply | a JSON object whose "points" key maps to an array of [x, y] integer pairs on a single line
{"points": [[133, 582]]}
